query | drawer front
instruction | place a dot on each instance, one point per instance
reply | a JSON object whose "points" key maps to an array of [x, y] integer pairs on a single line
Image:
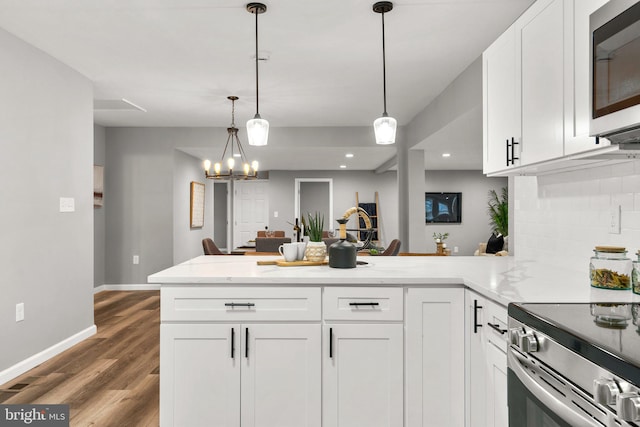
{"points": [[378, 304], [496, 315], [239, 304]]}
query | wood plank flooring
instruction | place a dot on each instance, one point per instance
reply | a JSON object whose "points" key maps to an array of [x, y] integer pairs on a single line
{"points": [[110, 379]]}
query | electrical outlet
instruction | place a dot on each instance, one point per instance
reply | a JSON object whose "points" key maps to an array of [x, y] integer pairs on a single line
{"points": [[136, 259], [455, 249], [614, 220], [20, 312], [275, 214], [67, 204]]}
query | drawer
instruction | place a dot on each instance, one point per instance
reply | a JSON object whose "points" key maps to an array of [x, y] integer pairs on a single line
{"points": [[380, 304], [497, 334], [239, 304]]}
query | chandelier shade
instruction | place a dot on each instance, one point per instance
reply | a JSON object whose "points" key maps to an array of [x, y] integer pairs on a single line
{"points": [[234, 149], [257, 128], [384, 127]]}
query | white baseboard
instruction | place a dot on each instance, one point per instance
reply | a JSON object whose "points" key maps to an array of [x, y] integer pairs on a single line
{"points": [[129, 287], [33, 361]]}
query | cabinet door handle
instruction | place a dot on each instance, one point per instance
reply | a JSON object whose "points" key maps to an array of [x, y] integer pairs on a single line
{"points": [[357, 304], [496, 328], [233, 342], [239, 304], [246, 343], [476, 325], [513, 153], [508, 152], [331, 343]]}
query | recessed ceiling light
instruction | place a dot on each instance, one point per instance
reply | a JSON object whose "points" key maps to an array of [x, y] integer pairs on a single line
{"points": [[343, 166], [348, 155], [446, 154]]}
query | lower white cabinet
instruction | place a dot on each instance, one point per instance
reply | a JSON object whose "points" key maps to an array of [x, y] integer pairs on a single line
{"points": [[486, 362], [240, 375], [363, 375], [291, 356], [435, 349]]}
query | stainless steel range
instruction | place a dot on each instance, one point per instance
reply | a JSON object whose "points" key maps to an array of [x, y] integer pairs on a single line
{"points": [[574, 365]]}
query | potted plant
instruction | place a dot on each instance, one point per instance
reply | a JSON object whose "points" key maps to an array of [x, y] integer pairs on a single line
{"points": [[316, 250], [498, 210], [439, 238]]}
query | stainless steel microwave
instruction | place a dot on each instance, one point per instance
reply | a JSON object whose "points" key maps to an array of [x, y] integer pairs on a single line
{"points": [[615, 71]]}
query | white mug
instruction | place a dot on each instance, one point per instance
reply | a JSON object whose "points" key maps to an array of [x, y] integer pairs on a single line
{"points": [[301, 247], [289, 251]]}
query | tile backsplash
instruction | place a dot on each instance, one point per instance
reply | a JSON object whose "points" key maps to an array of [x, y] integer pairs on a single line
{"points": [[560, 218]]}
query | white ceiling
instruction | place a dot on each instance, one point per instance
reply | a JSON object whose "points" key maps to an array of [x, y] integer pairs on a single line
{"points": [[180, 59]]}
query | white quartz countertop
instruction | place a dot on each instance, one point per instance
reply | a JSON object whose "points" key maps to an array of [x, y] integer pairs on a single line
{"points": [[502, 279]]}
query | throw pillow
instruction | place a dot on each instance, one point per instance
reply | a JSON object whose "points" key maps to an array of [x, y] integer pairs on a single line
{"points": [[495, 243]]}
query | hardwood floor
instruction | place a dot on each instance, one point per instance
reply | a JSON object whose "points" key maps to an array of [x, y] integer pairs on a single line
{"points": [[110, 379]]}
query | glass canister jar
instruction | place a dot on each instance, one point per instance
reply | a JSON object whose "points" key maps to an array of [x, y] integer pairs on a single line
{"points": [[635, 275], [610, 268]]}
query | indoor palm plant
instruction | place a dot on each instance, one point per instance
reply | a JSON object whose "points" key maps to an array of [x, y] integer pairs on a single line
{"points": [[316, 249], [498, 210]]}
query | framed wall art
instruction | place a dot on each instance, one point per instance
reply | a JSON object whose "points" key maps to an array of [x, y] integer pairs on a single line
{"points": [[197, 205]]}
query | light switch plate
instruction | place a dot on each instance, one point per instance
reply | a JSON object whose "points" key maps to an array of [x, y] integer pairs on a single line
{"points": [[67, 204], [20, 312], [614, 220]]}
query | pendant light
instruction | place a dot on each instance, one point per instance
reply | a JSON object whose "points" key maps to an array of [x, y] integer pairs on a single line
{"points": [[257, 128], [385, 126], [249, 171]]}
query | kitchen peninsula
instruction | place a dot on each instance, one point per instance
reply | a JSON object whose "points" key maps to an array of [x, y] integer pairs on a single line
{"points": [[384, 344]]}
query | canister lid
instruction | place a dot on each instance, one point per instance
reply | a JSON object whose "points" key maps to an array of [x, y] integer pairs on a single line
{"points": [[611, 249]]}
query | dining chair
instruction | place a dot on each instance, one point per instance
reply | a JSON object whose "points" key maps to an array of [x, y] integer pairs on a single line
{"points": [[210, 248], [392, 249]]}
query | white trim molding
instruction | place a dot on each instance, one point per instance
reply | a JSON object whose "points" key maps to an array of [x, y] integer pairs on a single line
{"points": [[46, 354], [127, 287]]}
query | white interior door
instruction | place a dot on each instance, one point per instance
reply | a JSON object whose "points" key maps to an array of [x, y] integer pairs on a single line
{"points": [[250, 210]]}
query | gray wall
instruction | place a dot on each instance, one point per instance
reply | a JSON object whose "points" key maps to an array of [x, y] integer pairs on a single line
{"points": [[187, 241], [46, 257], [99, 157], [474, 228]]}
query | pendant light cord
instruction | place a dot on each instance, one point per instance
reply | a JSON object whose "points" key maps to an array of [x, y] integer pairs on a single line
{"points": [[257, 92], [384, 70]]}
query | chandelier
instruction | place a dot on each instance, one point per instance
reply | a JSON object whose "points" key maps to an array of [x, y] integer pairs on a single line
{"points": [[248, 171]]}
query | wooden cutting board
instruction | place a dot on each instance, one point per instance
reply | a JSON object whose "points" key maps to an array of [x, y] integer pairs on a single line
{"points": [[282, 263]]}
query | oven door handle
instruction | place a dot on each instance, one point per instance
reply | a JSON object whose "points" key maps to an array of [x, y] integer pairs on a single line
{"points": [[515, 362]]}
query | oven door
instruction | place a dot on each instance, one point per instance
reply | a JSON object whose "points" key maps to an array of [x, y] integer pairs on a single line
{"points": [[539, 397]]}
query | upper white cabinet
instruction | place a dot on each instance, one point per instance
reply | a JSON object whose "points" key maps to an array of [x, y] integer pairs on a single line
{"points": [[549, 108], [577, 108], [540, 41], [500, 109]]}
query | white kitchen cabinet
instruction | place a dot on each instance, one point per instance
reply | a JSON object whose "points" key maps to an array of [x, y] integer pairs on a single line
{"points": [[475, 360], [223, 365], [435, 348], [497, 413], [501, 112], [280, 375], [363, 375], [200, 377], [486, 362], [540, 41], [578, 86]]}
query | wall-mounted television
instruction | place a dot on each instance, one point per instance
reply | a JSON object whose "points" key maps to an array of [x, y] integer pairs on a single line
{"points": [[443, 208]]}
